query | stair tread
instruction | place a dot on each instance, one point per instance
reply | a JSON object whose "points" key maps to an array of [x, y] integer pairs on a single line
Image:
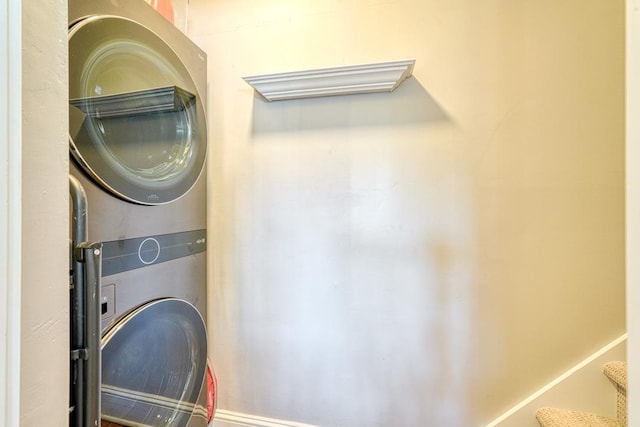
{"points": [[616, 372], [556, 417]]}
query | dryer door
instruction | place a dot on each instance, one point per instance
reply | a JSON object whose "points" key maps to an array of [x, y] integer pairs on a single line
{"points": [[136, 119], [154, 366]]}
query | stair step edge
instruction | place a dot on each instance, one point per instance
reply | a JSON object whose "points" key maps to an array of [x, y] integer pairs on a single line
{"points": [[616, 371], [557, 417]]}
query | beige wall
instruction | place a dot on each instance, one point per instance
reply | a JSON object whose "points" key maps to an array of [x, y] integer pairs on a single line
{"points": [[633, 204], [45, 282], [426, 257]]}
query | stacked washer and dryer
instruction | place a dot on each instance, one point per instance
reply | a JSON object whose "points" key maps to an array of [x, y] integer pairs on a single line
{"points": [[138, 143]]}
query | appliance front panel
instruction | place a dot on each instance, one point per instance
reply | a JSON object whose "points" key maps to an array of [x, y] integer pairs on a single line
{"points": [[111, 218]]}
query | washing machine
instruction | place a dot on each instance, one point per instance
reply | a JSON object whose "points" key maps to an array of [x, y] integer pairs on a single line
{"points": [[138, 145]]}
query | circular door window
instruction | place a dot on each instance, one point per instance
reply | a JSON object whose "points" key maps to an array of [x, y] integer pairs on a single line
{"points": [[154, 366], [136, 119]]}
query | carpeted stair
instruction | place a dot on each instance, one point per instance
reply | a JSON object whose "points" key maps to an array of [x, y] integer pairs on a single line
{"points": [[555, 417]]}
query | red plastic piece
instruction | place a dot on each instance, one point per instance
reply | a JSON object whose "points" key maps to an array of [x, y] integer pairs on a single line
{"points": [[164, 7], [212, 388]]}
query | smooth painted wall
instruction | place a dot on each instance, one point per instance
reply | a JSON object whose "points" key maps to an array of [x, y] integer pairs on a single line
{"points": [[426, 257], [44, 396]]}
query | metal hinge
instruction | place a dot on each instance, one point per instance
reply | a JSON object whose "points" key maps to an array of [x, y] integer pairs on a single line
{"points": [[80, 353]]}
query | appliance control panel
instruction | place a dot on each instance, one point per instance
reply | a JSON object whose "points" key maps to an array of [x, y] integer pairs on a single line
{"points": [[129, 254]]}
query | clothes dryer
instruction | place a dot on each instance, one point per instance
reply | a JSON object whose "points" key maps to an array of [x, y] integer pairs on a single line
{"points": [[138, 145], [138, 133]]}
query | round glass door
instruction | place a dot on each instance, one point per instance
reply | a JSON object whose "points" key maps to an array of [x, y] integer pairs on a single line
{"points": [[154, 366], [136, 119]]}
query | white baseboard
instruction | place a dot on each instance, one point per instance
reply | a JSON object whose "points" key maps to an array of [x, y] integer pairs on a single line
{"points": [[234, 419], [581, 388]]}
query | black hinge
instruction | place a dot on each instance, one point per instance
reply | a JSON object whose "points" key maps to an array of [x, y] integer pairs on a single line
{"points": [[80, 353]]}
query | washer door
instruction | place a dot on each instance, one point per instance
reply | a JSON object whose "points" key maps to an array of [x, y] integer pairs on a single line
{"points": [[154, 366], [136, 119]]}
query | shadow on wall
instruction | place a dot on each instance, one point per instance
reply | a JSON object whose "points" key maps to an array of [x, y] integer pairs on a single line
{"points": [[357, 290], [377, 109]]}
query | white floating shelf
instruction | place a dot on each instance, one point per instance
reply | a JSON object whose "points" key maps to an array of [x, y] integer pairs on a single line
{"points": [[346, 80]]}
